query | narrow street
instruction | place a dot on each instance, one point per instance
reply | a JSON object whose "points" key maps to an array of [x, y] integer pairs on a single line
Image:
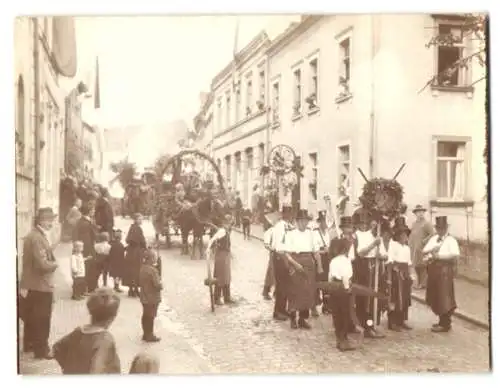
{"points": [[244, 338]]}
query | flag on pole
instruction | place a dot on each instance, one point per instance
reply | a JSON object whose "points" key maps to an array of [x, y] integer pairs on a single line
{"points": [[97, 92]]}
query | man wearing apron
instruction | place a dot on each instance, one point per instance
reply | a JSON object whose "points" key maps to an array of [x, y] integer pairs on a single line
{"points": [[323, 237], [364, 273], [280, 265], [301, 252], [441, 252]]}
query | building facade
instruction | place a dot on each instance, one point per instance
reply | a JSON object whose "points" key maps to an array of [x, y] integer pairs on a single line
{"points": [[345, 93], [241, 118], [92, 153], [41, 46]]}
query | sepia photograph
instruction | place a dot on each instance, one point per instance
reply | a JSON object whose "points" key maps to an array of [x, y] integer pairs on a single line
{"points": [[213, 194]]}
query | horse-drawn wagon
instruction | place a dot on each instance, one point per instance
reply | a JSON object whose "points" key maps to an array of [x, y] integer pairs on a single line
{"points": [[186, 201]]}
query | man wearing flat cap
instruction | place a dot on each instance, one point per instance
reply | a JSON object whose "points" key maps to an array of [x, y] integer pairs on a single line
{"points": [[441, 252], [39, 265], [421, 231]]}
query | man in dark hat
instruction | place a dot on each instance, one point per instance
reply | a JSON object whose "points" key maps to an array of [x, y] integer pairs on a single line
{"points": [[301, 254], [281, 271], [324, 238], [421, 231], [364, 273], [441, 252], [39, 265]]}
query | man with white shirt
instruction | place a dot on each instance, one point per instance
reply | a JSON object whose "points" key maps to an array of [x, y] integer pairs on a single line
{"points": [[364, 272], [441, 252], [280, 264], [323, 236], [300, 251], [399, 278]]}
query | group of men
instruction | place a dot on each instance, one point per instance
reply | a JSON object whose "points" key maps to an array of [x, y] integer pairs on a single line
{"points": [[301, 270]]}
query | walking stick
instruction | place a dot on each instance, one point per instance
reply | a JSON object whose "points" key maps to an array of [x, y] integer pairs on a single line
{"points": [[210, 282], [377, 269]]}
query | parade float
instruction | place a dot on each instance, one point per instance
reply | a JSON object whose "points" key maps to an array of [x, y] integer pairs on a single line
{"points": [[185, 200]]}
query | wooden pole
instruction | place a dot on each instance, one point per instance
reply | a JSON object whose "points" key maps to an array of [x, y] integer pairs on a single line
{"points": [[363, 175], [377, 270], [399, 171]]}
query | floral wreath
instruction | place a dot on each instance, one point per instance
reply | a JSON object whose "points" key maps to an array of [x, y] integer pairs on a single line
{"points": [[382, 198]]}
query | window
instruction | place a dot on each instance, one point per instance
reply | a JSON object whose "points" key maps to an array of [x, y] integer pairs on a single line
{"points": [[249, 97], [451, 174], [312, 99], [344, 172], [450, 50], [238, 104], [228, 109], [345, 63], [20, 124], [262, 88], [276, 102], [219, 114], [297, 97], [313, 183]]}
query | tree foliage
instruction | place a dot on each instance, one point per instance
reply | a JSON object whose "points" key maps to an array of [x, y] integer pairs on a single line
{"points": [[125, 172], [471, 28]]}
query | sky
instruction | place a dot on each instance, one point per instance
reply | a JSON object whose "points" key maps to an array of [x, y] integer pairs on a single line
{"points": [[152, 69]]}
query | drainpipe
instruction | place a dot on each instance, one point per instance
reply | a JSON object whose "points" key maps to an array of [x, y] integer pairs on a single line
{"points": [[36, 67], [267, 146], [372, 102]]}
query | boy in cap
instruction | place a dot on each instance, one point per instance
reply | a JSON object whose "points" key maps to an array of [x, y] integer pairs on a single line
{"points": [[323, 237], [442, 252], [340, 270], [150, 295]]}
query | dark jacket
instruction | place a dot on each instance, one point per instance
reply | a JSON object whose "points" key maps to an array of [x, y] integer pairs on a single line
{"points": [[104, 217], [39, 263], [150, 284], [85, 231]]}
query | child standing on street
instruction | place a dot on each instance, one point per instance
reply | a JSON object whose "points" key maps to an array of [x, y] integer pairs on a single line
{"points": [[246, 221], [102, 249], [150, 295], [91, 349], [117, 259], [78, 271], [341, 273]]}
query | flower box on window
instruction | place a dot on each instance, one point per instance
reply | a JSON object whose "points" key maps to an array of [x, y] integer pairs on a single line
{"points": [[260, 105], [312, 101], [248, 111]]}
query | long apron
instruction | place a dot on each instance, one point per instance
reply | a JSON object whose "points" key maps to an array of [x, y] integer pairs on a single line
{"points": [[222, 267], [440, 293], [400, 288], [302, 286]]}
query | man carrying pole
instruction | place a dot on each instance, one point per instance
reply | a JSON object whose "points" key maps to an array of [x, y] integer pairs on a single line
{"points": [[366, 273]]}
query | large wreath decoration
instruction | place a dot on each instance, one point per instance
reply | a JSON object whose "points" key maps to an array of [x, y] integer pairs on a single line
{"points": [[382, 198]]}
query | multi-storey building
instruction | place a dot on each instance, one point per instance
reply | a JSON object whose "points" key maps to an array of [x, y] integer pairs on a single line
{"points": [[241, 117], [345, 93], [45, 50]]}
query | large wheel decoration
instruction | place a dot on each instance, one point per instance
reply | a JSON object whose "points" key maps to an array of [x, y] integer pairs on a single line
{"points": [[281, 159]]}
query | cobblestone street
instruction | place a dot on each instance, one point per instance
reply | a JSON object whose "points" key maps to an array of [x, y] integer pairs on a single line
{"points": [[244, 339]]}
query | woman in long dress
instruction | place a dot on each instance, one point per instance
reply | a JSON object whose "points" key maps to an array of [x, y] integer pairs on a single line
{"points": [[136, 245], [220, 247]]}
